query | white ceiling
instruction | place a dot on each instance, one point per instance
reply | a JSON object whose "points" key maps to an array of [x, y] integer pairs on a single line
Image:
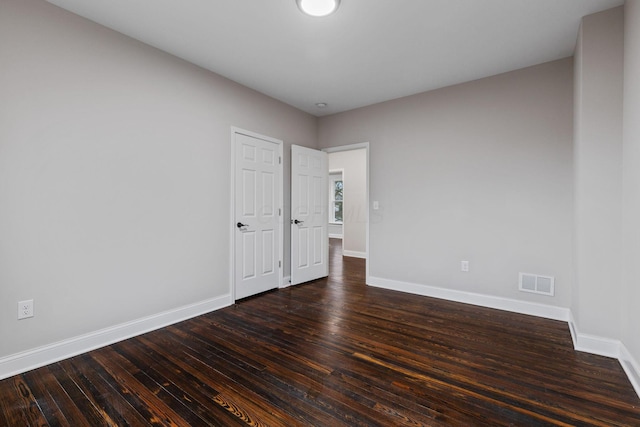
{"points": [[367, 52]]}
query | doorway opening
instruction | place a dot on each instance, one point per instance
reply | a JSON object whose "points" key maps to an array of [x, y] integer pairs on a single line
{"points": [[349, 199]]}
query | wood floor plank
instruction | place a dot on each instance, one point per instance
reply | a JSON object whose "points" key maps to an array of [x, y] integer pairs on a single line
{"points": [[254, 403], [19, 405], [192, 392], [73, 401], [281, 395], [3, 417], [102, 392], [148, 402], [302, 376], [324, 372], [332, 352], [44, 386]]}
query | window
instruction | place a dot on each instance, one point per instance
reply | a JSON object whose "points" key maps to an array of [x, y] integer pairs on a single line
{"points": [[336, 198]]}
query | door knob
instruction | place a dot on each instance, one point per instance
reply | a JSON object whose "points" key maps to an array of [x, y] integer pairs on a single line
{"points": [[240, 225], [297, 222]]}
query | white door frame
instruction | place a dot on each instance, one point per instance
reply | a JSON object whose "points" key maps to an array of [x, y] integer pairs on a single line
{"points": [[232, 222], [365, 146]]}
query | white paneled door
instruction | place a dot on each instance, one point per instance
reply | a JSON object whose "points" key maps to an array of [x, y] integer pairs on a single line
{"points": [[309, 215], [257, 223]]}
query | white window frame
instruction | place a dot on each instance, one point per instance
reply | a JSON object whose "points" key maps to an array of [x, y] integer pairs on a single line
{"points": [[335, 175]]}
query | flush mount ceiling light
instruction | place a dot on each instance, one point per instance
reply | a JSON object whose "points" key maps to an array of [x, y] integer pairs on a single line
{"points": [[318, 7]]}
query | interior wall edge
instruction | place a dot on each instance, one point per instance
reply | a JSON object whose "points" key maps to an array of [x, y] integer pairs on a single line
{"points": [[593, 344]]}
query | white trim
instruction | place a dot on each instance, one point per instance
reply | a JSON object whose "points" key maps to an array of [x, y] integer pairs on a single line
{"points": [[572, 329], [591, 343], [500, 303], [348, 147], [330, 184], [45, 355], [609, 348], [358, 146], [335, 236], [631, 367], [597, 345], [234, 131], [354, 254]]}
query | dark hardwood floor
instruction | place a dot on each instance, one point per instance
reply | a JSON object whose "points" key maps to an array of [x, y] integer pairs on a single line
{"points": [[328, 353]]}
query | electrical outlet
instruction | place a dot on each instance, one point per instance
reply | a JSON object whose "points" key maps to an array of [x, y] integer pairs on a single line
{"points": [[25, 309], [464, 266]]}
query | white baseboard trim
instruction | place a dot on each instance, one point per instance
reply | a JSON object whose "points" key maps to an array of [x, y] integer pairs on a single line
{"points": [[591, 343], [610, 348], [27, 360], [631, 367], [335, 236], [597, 345], [607, 347], [500, 303], [355, 254]]}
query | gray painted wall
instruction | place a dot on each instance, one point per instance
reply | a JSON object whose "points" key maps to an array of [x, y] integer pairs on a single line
{"points": [[631, 181], [480, 171], [598, 174], [114, 175]]}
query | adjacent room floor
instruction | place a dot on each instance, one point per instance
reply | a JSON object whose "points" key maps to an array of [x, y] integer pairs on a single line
{"points": [[328, 353]]}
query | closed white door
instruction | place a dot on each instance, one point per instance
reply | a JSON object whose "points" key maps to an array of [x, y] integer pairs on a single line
{"points": [[309, 215], [257, 222]]}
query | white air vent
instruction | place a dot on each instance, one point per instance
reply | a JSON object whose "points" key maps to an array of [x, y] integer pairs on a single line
{"points": [[537, 284]]}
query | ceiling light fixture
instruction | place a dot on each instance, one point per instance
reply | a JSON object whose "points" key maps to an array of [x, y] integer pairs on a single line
{"points": [[318, 7], [321, 104]]}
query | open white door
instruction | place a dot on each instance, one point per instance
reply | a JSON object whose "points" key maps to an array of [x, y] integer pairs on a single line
{"points": [[309, 216], [257, 223]]}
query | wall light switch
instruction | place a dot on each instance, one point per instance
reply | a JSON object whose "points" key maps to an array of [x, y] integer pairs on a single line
{"points": [[376, 205], [464, 266]]}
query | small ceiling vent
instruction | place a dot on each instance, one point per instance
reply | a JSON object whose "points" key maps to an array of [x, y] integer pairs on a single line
{"points": [[537, 284]]}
